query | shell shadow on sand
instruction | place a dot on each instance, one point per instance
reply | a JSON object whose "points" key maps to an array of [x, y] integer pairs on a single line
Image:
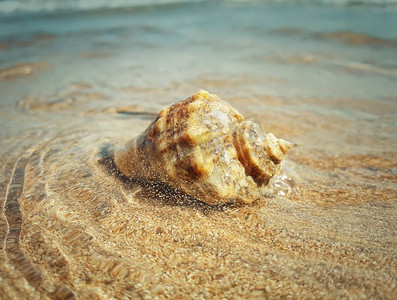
{"points": [[153, 192]]}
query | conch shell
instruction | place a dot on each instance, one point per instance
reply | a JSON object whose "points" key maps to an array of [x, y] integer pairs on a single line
{"points": [[203, 147]]}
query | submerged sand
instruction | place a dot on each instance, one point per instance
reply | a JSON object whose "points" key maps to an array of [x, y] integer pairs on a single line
{"points": [[70, 228], [74, 84]]}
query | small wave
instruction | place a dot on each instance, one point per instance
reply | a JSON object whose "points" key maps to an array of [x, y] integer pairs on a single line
{"points": [[355, 39], [37, 6]]}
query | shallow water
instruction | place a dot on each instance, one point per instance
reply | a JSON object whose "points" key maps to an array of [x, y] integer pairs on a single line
{"points": [[75, 82]]}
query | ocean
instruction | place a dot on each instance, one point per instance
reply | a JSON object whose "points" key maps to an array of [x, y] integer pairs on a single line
{"points": [[79, 76], [307, 44]]}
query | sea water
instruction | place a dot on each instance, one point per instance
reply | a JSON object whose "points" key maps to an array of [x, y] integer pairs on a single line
{"points": [[319, 49], [78, 76]]}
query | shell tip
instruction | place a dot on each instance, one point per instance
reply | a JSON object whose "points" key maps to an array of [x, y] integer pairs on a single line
{"points": [[201, 94]]}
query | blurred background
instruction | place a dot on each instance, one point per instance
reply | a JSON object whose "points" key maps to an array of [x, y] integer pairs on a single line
{"points": [[330, 48]]}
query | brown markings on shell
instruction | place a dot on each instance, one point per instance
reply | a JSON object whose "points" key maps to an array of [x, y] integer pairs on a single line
{"points": [[190, 168], [246, 160], [186, 140]]}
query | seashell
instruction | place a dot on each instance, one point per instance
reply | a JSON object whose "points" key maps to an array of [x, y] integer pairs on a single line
{"points": [[203, 147]]}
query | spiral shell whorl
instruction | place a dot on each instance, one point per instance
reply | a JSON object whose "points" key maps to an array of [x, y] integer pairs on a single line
{"points": [[203, 147]]}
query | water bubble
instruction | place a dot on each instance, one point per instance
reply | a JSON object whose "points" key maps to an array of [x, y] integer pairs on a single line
{"points": [[283, 184]]}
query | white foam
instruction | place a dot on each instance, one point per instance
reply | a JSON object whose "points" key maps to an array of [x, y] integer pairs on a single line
{"points": [[36, 6]]}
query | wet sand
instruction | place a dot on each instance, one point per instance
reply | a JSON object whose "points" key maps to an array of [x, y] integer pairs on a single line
{"points": [[72, 228], [22, 70]]}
